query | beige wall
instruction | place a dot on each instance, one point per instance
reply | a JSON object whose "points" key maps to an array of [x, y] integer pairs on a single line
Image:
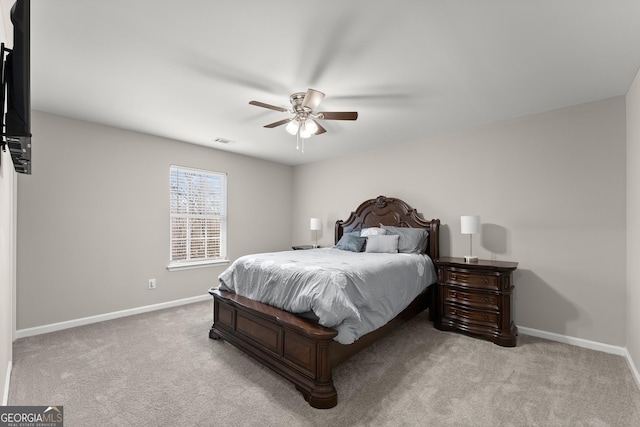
{"points": [[550, 189], [93, 219], [7, 237], [633, 229]]}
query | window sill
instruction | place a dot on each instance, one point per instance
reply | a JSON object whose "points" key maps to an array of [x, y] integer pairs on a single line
{"points": [[196, 264]]}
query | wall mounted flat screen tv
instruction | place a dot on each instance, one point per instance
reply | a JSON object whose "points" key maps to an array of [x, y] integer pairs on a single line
{"points": [[16, 83]]}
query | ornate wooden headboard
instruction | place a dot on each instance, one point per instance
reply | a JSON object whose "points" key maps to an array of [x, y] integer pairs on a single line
{"points": [[391, 212]]}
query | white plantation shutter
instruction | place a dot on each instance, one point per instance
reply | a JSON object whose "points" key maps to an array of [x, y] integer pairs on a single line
{"points": [[198, 217]]}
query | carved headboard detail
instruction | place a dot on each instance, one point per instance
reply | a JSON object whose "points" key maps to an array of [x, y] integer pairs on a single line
{"points": [[392, 212]]}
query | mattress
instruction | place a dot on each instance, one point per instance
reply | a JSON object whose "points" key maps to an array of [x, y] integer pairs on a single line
{"points": [[352, 292]]}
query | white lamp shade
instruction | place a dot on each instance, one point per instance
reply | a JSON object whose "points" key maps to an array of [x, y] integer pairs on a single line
{"points": [[304, 133], [310, 126], [315, 224], [470, 224], [292, 127]]}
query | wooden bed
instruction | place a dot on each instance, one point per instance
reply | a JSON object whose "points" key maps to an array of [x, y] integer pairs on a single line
{"points": [[299, 349]]}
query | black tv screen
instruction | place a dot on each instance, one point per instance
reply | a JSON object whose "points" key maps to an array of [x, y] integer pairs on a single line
{"points": [[17, 76]]}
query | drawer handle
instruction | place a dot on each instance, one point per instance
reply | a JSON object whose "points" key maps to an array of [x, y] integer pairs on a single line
{"points": [[486, 317], [454, 277], [486, 281], [453, 312], [454, 294], [486, 299]]}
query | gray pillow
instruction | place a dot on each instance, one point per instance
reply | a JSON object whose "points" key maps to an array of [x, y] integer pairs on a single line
{"points": [[383, 243], [352, 243], [412, 240]]}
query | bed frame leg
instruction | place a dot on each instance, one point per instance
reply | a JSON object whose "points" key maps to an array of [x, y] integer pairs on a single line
{"points": [[321, 397], [213, 335]]}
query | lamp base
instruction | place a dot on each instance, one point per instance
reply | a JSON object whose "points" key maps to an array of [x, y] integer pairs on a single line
{"points": [[470, 258]]}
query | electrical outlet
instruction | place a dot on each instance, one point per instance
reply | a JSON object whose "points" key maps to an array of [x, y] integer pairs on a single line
{"points": [[152, 283]]}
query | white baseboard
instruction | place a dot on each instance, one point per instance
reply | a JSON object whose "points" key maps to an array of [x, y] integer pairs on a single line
{"points": [[593, 345], [7, 379], [37, 330]]}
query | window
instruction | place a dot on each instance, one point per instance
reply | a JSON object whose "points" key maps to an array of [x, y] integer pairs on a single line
{"points": [[198, 217]]}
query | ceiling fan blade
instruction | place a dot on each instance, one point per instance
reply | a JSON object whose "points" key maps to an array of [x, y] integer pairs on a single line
{"points": [[269, 106], [278, 123], [320, 128], [339, 115], [312, 98]]}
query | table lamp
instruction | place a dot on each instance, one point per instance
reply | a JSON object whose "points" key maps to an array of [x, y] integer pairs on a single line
{"points": [[315, 225], [470, 224]]}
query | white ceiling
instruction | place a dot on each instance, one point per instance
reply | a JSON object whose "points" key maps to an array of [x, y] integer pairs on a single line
{"points": [[186, 69]]}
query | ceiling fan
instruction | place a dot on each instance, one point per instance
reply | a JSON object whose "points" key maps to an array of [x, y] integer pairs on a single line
{"points": [[304, 122]]}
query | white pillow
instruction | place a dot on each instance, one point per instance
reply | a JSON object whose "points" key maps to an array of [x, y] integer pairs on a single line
{"points": [[373, 231], [380, 243]]}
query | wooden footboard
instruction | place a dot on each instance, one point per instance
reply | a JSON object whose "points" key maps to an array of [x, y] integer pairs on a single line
{"points": [[296, 348]]}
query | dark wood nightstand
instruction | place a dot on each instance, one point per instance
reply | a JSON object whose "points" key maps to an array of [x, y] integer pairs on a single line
{"points": [[475, 298]]}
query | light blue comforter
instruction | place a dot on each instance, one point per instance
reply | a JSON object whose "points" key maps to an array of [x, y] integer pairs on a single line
{"points": [[352, 292]]}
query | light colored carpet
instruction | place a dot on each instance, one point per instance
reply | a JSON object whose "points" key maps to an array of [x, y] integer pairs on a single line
{"points": [[161, 369]]}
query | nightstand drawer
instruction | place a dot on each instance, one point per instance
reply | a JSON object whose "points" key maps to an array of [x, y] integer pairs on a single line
{"points": [[484, 301], [480, 281], [470, 315]]}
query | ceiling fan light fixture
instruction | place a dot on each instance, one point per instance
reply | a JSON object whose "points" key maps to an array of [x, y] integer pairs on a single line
{"points": [[304, 123], [304, 133], [310, 127], [293, 126]]}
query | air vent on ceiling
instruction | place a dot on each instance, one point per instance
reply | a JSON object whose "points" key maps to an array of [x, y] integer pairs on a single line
{"points": [[223, 141]]}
